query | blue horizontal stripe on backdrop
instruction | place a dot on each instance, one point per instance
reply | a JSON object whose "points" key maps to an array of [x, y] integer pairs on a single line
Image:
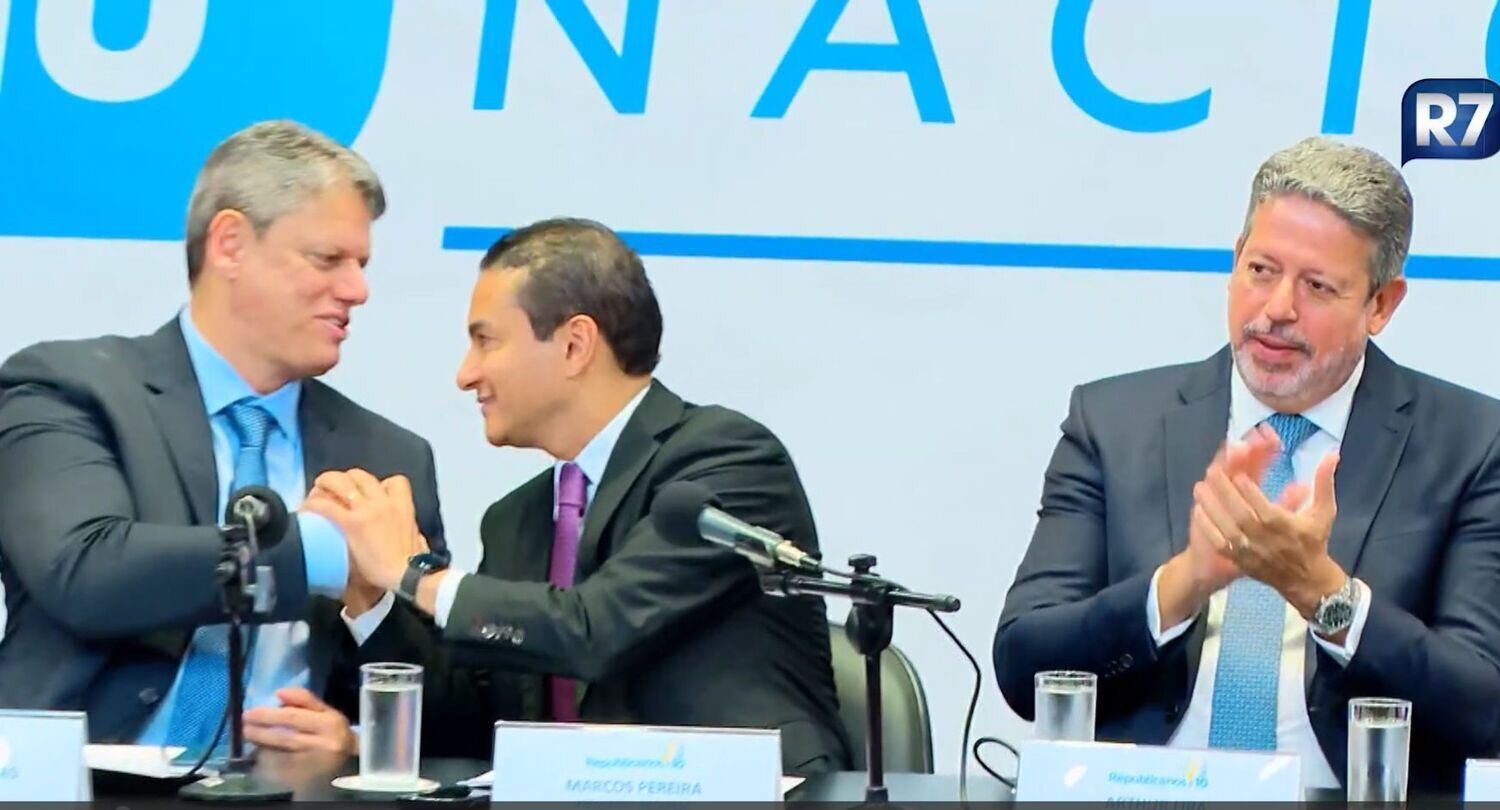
{"points": [[972, 254]]}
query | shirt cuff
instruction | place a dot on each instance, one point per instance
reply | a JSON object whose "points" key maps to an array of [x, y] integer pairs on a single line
{"points": [[1344, 653], [325, 554], [367, 623], [1153, 617], [447, 592]]}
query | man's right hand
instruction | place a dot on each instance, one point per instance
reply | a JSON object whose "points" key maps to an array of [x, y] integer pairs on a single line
{"points": [[359, 594], [1203, 568]]}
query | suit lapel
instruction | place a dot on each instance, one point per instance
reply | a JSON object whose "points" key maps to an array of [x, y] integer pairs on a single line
{"points": [[322, 445], [659, 410], [518, 545], [1379, 424], [1374, 439], [177, 405], [1192, 434]]}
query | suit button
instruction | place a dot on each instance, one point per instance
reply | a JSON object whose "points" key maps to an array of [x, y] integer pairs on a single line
{"points": [[1126, 660], [517, 635], [489, 632], [149, 696]]}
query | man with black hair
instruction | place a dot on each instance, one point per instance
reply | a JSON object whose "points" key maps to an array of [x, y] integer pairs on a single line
{"points": [[580, 608]]}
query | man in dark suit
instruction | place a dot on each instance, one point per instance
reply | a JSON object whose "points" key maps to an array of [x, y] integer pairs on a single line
{"points": [[118, 455], [1345, 541], [580, 608]]}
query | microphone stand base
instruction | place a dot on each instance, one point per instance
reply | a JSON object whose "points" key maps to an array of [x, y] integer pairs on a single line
{"points": [[235, 787]]}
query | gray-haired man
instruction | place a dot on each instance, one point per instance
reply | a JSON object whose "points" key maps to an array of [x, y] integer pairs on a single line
{"points": [[1344, 540], [118, 454]]}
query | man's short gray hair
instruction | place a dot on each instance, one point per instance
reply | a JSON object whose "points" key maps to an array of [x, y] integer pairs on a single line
{"points": [[266, 170], [1360, 185]]}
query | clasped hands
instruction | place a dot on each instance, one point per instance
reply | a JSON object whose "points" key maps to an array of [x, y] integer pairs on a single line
{"points": [[1235, 531], [378, 519], [379, 523]]}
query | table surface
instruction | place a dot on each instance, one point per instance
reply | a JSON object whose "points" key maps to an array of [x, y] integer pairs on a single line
{"points": [[309, 775], [849, 787]]}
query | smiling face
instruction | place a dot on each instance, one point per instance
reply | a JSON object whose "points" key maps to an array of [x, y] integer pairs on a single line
{"points": [[521, 383], [293, 286], [1300, 304]]}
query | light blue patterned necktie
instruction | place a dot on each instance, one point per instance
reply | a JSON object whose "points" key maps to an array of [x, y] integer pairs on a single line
{"points": [[203, 691], [1245, 682]]}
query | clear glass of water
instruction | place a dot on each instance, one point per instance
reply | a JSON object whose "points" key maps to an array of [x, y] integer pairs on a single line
{"points": [[1379, 743], [1065, 705], [390, 721]]}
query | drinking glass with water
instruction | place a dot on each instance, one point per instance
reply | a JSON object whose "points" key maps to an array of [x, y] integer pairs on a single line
{"points": [[1379, 746], [390, 719], [1065, 705]]}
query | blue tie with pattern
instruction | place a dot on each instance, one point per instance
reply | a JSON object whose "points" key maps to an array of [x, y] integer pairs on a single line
{"points": [[203, 692], [1245, 682]]}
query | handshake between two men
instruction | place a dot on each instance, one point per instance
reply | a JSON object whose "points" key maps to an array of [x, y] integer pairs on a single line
{"points": [[378, 521]]}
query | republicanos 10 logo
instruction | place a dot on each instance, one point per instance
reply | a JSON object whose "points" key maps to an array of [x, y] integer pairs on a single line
{"points": [[1450, 119], [108, 107]]}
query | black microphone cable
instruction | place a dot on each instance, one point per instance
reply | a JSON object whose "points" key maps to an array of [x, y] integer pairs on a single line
{"points": [[223, 718], [963, 752], [212, 746], [1009, 782]]}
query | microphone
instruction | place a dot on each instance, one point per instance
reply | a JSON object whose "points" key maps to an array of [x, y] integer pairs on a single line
{"points": [[686, 509], [262, 508], [255, 520]]}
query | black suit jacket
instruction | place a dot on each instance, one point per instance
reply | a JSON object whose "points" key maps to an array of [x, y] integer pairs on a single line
{"points": [[108, 490], [1418, 488], [660, 631]]}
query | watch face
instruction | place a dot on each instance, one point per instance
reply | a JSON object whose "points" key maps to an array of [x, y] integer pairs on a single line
{"points": [[1336, 615], [428, 561]]}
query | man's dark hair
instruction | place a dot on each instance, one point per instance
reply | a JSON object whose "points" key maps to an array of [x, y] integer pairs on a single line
{"points": [[580, 267]]}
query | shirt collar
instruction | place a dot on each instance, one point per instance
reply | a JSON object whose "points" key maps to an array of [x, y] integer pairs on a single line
{"points": [[222, 386], [594, 457], [1331, 416]]}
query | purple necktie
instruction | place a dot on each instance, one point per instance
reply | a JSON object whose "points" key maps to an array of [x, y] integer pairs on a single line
{"points": [[572, 494]]}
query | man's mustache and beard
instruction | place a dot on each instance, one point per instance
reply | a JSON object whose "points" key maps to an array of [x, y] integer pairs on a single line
{"points": [[1304, 371]]}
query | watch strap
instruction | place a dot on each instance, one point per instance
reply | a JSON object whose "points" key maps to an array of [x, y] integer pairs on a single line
{"points": [[420, 565]]}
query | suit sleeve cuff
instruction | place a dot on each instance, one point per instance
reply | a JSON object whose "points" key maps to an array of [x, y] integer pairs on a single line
{"points": [[446, 594], [365, 625], [1153, 618], [325, 554], [1344, 653]]}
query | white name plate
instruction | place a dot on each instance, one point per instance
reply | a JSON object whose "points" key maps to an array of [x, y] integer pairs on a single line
{"points": [[1108, 772], [41, 757], [1482, 780], [559, 762]]}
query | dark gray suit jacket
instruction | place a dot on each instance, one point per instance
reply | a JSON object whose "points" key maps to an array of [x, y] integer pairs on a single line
{"points": [[661, 631], [1418, 520], [107, 492]]}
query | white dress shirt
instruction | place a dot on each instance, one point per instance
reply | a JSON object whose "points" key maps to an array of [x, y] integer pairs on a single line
{"points": [[1294, 732]]}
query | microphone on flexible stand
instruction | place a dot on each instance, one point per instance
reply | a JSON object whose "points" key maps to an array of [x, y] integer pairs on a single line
{"points": [[255, 520], [689, 509]]}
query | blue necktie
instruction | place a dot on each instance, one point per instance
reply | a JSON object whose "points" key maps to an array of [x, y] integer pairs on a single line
{"points": [[203, 691], [1245, 682]]}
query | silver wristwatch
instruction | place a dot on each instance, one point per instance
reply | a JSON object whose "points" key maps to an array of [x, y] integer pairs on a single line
{"points": [[1335, 612]]}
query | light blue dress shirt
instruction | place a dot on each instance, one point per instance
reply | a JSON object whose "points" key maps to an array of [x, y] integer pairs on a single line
{"points": [[279, 659]]}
